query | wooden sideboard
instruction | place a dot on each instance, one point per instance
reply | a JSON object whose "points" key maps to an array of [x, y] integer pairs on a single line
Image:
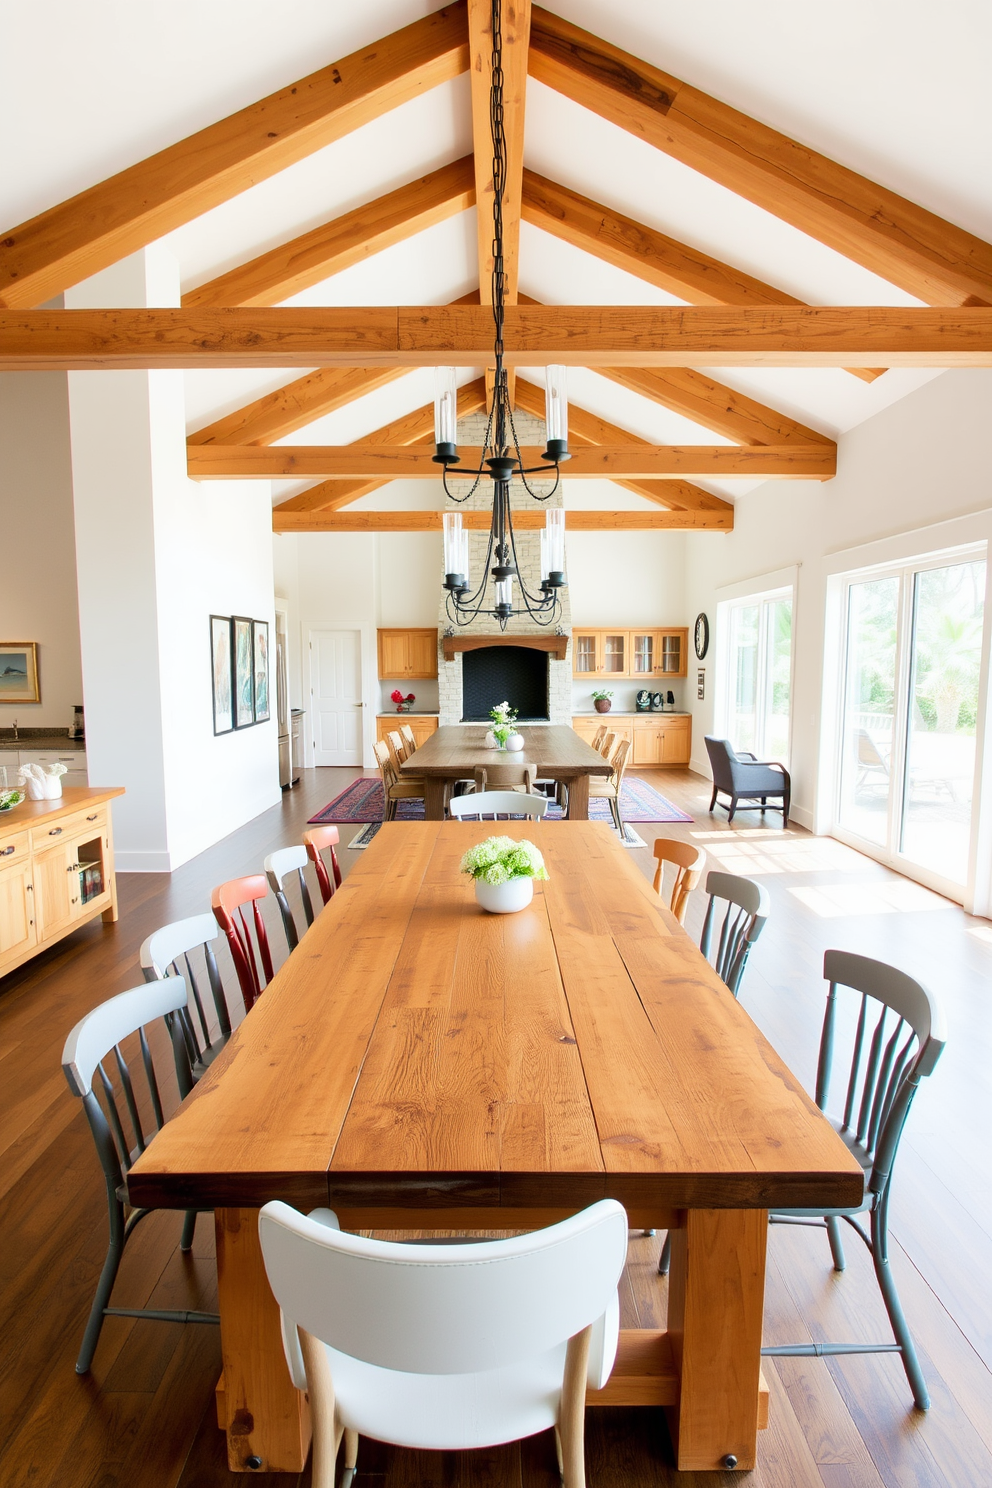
{"points": [[655, 738], [56, 870]]}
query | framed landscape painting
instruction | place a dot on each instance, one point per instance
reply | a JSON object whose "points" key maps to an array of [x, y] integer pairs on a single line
{"points": [[244, 692], [19, 672], [260, 646], [220, 659]]}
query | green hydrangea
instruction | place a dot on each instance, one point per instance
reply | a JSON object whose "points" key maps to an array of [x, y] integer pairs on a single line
{"points": [[499, 859]]}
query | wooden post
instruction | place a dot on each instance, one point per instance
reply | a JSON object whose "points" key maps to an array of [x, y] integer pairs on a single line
{"points": [[578, 798], [267, 1417], [434, 798], [715, 1304]]}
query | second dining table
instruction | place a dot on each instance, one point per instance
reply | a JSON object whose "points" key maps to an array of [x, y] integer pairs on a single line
{"points": [[420, 1064], [554, 752]]}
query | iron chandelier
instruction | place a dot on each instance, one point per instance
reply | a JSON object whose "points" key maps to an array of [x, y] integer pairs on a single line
{"points": [[501, 459]]}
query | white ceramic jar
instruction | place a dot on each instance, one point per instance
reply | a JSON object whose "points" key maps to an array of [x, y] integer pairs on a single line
{"points": [[515, 741], [505, 898]]}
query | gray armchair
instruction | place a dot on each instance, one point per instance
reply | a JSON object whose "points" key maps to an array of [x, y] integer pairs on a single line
{"points": [[743, 778]]}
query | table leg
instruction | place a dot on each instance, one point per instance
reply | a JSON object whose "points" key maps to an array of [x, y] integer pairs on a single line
{"points": [[578, 798], [715, 1304], [434, 799], [268, 1419]]}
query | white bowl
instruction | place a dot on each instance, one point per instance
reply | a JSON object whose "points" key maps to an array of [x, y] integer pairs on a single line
{"points": [[504, 898]]}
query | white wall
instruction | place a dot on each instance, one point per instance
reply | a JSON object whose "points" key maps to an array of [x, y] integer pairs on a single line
{"points": [[38, 590], [921, 461], [157, 554]]}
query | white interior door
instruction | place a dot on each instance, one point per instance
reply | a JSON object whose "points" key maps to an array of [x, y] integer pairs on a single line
{"points": [[336, 700]]}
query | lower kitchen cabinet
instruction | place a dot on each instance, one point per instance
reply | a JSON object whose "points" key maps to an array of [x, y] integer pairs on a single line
{"points": [[656, 738]]}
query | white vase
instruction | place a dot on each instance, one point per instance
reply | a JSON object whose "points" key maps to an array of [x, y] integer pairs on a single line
{"points": [[490, 740], [504, 898], [515, 741]]}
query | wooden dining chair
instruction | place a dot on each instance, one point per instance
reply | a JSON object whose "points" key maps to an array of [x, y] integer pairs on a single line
{"points": [[279, 867], [318, 840], [496, 803], [442, 1347], [600, 735], [228, 902], [610, 788], [122, 1099], [409, 739], [894, 1040], [395, 788], [689, 862], [398, 747], [505, 777], [607, 743], [186, 949]]}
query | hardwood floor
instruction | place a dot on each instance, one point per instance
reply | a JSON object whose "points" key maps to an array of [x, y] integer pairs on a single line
{"points": [[145, 1416]]}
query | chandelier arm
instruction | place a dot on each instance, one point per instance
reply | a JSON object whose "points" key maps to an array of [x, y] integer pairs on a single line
{"points": [[532, 602]]}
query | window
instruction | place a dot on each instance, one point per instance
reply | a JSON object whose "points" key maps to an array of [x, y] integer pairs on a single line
{"points": [[758, 673], [912, 650]]}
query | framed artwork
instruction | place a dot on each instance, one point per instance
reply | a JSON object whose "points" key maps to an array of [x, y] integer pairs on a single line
{"points": [[701, 684], [243, 663], [260, 648], [220, 673], [19, 672]]}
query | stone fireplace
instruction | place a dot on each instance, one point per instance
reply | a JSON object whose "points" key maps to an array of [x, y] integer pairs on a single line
{"points": [[521, 634]]}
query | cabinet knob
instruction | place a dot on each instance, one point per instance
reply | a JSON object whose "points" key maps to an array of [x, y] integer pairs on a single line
{"points": [[5, 852], [55, 832], [93, 817]]}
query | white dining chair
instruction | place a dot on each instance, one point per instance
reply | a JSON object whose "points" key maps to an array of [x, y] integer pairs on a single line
{"points": [[497, 803], [187, 949], [446, 1347], [278, 867]]}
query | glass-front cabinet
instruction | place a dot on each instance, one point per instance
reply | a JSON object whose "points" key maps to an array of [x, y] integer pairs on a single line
{"points": [[635, 654], [585, 653]]}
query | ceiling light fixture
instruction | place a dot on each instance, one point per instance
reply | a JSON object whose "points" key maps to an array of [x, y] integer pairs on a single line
{"points": [[501, 459]]}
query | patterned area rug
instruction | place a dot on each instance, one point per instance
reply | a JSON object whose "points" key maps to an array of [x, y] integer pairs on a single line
{"points": [[363, 801]]}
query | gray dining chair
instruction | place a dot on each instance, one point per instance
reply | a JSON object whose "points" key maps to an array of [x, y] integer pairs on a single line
{"points": [[747, 909], [896, 1040], [131, 1100], [186, 949], [280, 866], [744, 778]]}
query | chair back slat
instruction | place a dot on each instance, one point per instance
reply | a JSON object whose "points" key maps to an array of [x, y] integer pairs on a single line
{"points": [[305, 899], [112, 1115], [152, 1082], [186, 970], [228, 902], [128, 1089], [316, 840], [904, 1039]]}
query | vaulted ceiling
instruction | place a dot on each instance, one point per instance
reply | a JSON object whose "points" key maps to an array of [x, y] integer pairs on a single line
{"points": [[634, 192]]}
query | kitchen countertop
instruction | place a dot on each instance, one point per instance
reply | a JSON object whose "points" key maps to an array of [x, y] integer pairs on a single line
{"points": [[636, 713], [26, 742]]}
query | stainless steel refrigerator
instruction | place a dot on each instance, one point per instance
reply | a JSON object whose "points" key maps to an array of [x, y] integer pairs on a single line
{"points": [[282, 713]]}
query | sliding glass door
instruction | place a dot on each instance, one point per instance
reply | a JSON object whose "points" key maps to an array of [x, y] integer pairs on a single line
{"points": [[913, 648], [759, 674]]}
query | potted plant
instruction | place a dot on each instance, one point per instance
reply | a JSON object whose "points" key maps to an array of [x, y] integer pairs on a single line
{"points": [[504, 872], [402, 703], [503, 731], [603, 701]]}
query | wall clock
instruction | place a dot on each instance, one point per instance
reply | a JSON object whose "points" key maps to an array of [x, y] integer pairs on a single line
{"points": [[701, 636]]}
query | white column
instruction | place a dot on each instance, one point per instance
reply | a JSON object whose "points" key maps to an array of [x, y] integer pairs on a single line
{"points": [[156, 555]]}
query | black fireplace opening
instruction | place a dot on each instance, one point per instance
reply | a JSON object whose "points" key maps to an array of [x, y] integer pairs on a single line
{"points": [[517, 675]]}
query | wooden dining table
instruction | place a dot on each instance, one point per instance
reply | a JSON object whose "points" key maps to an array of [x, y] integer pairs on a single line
{"points": [[418, 1063], [554, 752]]}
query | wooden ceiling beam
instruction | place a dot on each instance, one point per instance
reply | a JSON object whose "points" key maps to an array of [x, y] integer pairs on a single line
{"points": [[344, 241], [901, 242], [461, 335], [714, 405], [524, 521], [690, 273], [515, 27], [97, 227], [413, 428], [587, 428], [366, 461]]}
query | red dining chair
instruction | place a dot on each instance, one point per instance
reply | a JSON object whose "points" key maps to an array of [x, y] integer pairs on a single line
{"points": [[315, 841], [228, 902]]}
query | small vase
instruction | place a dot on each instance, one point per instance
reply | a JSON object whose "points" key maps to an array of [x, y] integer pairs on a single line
{"points": [[504, 898], [515, 742], [602, 705]]}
